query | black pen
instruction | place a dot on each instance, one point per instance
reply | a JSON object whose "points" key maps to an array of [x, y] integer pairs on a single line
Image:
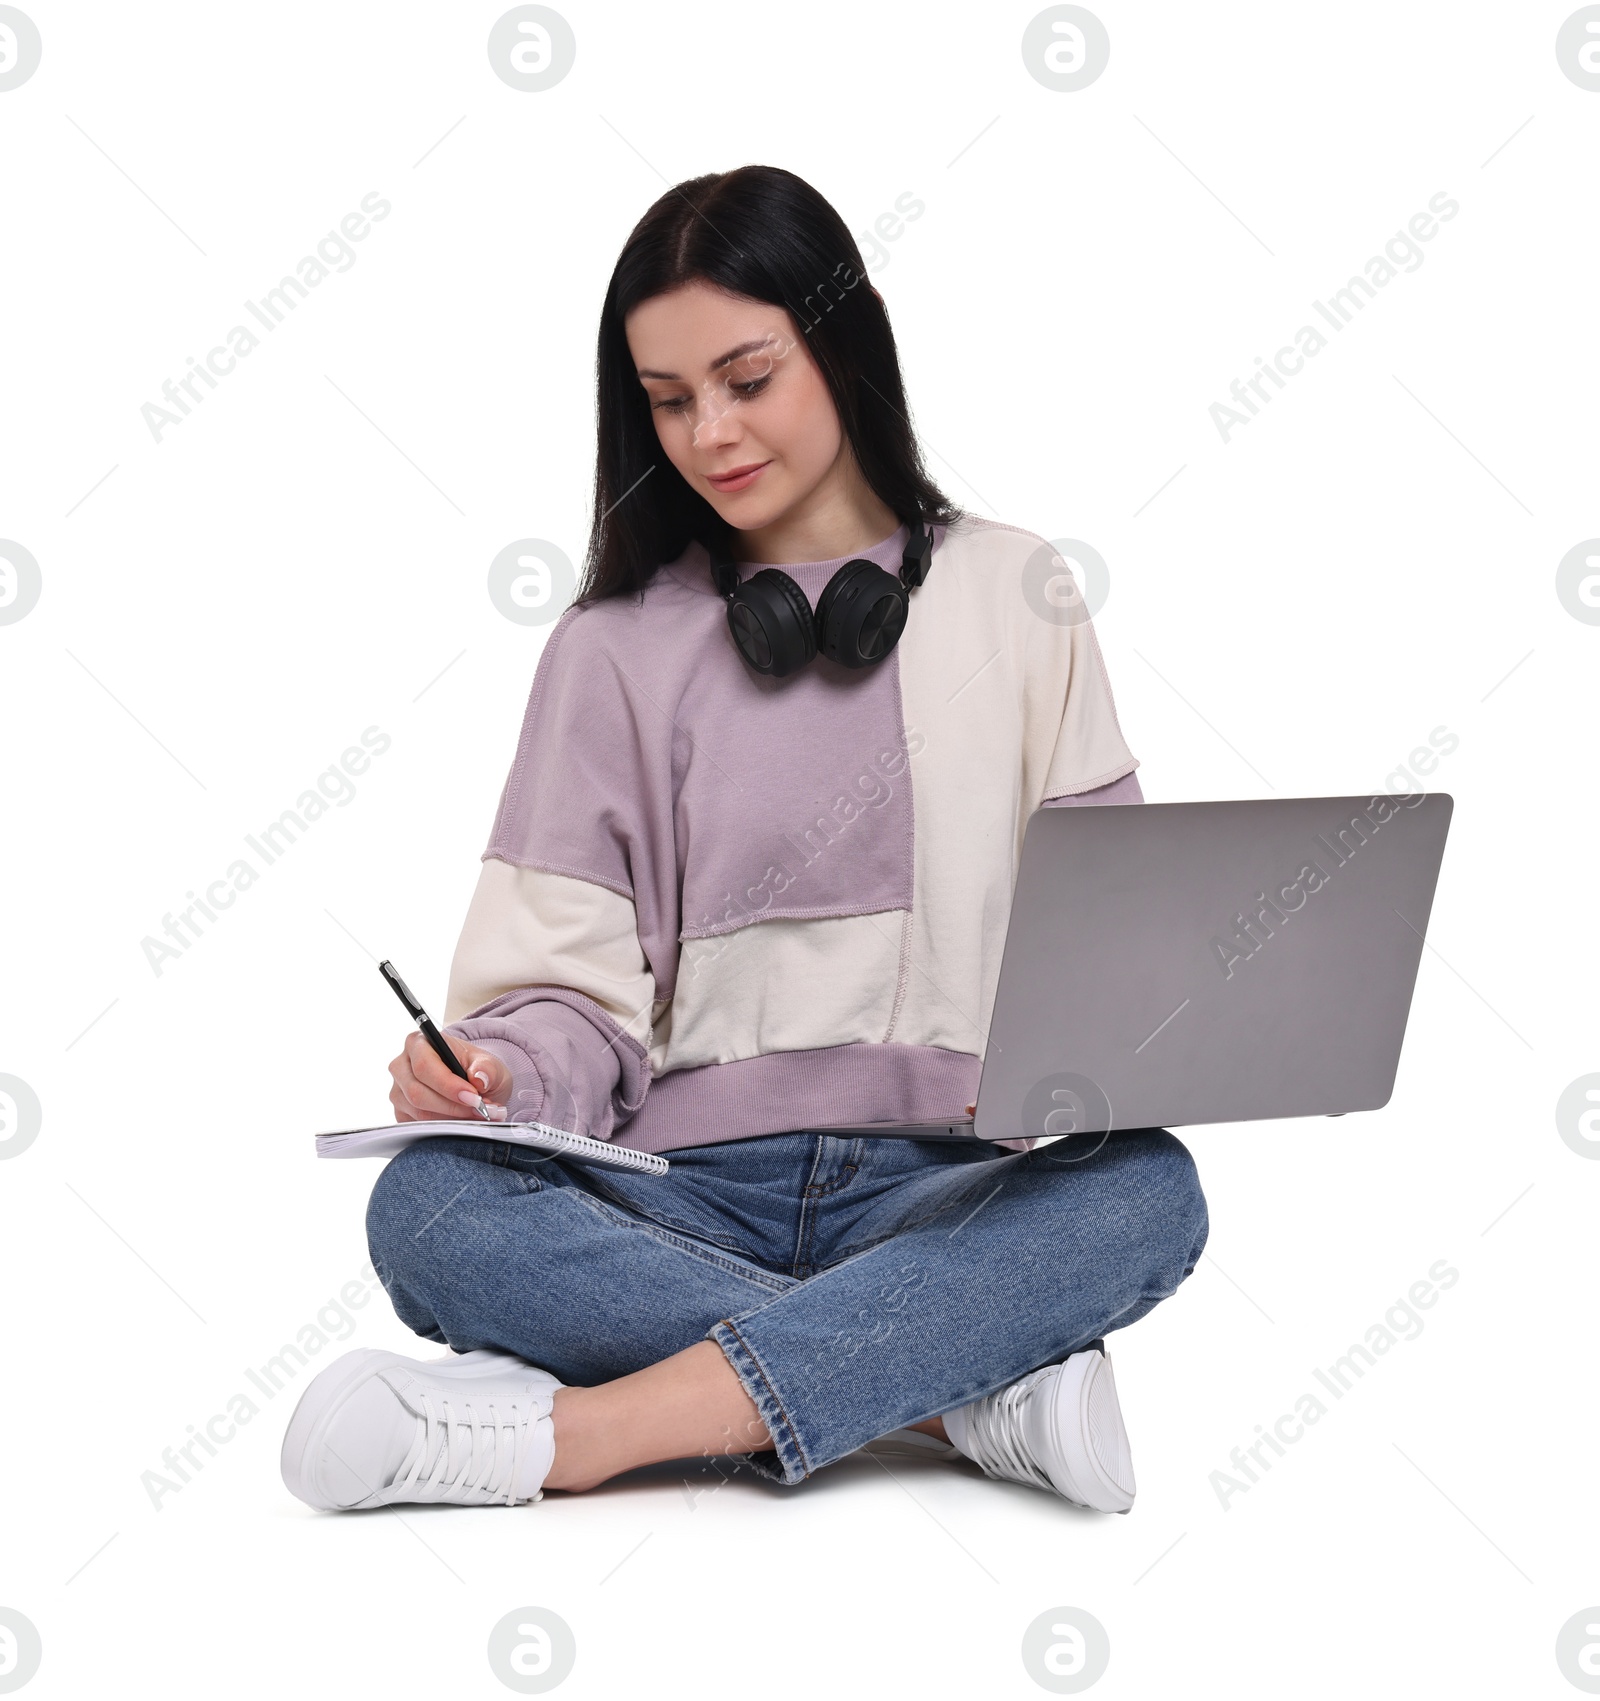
{"points": [[429, 1032]]}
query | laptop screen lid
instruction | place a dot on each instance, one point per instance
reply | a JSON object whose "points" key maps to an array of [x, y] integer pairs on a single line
{"points": [[1180, 963]]}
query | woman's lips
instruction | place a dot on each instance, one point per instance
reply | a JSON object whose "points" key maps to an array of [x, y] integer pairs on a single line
{"points": [[740, 478]]}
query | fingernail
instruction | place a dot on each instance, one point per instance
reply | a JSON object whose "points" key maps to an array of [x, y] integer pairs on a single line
{"points": [[482, 1079], [470, 1098], [498, 1112]]}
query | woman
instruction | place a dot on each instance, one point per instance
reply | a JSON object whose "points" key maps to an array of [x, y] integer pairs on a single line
{"points": [[738, 893]]}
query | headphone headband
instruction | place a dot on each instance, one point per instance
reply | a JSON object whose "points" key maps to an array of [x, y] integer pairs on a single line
{"points": [[915, 560]]}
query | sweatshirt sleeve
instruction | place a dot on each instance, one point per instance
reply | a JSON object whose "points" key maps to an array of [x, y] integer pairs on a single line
{"points": [[569, 948], [548, 975], [1088, 759]]}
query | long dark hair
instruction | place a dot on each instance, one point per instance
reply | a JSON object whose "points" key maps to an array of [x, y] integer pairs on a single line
{"points": [[765, 234]]}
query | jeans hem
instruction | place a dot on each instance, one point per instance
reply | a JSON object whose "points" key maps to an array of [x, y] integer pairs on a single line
{"points": [[792, 1466]]}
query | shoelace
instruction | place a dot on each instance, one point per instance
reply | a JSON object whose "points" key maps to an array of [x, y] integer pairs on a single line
{"points": [[994, 1430], [439, 1430]]}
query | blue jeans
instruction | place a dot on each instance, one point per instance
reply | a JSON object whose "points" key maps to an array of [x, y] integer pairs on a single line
{"points": [[855, 1285]]}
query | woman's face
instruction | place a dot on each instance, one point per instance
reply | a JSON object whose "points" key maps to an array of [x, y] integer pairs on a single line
{"points": [[733, 390]]}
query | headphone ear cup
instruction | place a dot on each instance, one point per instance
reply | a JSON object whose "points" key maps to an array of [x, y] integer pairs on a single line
{"points": [[772, 623], [861, 614]]}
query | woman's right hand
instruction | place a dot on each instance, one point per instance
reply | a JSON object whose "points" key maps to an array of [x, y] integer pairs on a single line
{"points": [[425, 1090]]}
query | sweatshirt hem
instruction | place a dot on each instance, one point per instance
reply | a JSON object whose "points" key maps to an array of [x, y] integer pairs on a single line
{"points": [[779, 1092]]}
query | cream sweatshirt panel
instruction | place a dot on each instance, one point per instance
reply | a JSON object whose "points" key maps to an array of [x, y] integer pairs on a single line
{"points": [[1037, 687], [781, 985], [526, 927]]}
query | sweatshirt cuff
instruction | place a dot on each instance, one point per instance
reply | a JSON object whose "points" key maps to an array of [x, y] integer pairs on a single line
{"points": [[526, 1100], [571, 1066], [1124, 789]]}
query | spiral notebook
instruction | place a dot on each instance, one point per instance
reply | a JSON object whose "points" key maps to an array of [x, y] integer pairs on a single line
{"points": [[385, 1141]]}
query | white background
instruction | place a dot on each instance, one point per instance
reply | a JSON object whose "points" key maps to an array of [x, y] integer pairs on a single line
{"points": [[224, 612]]}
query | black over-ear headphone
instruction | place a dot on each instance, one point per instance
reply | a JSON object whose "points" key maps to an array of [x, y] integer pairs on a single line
{"points": [[858, 619]]}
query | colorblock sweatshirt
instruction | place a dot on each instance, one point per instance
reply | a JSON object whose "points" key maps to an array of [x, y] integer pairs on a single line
{"points": [[716, 905]]}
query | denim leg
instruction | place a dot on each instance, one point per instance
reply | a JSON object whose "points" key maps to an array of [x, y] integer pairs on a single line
{"points": [[479, 1245], [1002, 1266]]}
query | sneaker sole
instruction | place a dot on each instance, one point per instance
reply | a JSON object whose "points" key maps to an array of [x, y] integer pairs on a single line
{"points": [[1090, 1434]]}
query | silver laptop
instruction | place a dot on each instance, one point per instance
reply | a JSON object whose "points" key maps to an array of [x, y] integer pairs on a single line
{"points": [[1179, 963]]}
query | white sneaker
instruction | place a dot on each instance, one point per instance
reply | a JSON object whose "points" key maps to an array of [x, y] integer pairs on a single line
{"points": [[375, 1428], [1058, 1428]]}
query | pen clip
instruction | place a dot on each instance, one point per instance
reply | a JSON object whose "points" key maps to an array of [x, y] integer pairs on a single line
{"points": [[404, 993]]}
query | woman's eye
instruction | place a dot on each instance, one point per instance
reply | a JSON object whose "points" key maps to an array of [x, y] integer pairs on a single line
{"points": [[745, 392]]}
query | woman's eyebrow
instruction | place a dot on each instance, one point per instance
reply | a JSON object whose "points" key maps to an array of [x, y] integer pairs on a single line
{"points": [[721, 360]]}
